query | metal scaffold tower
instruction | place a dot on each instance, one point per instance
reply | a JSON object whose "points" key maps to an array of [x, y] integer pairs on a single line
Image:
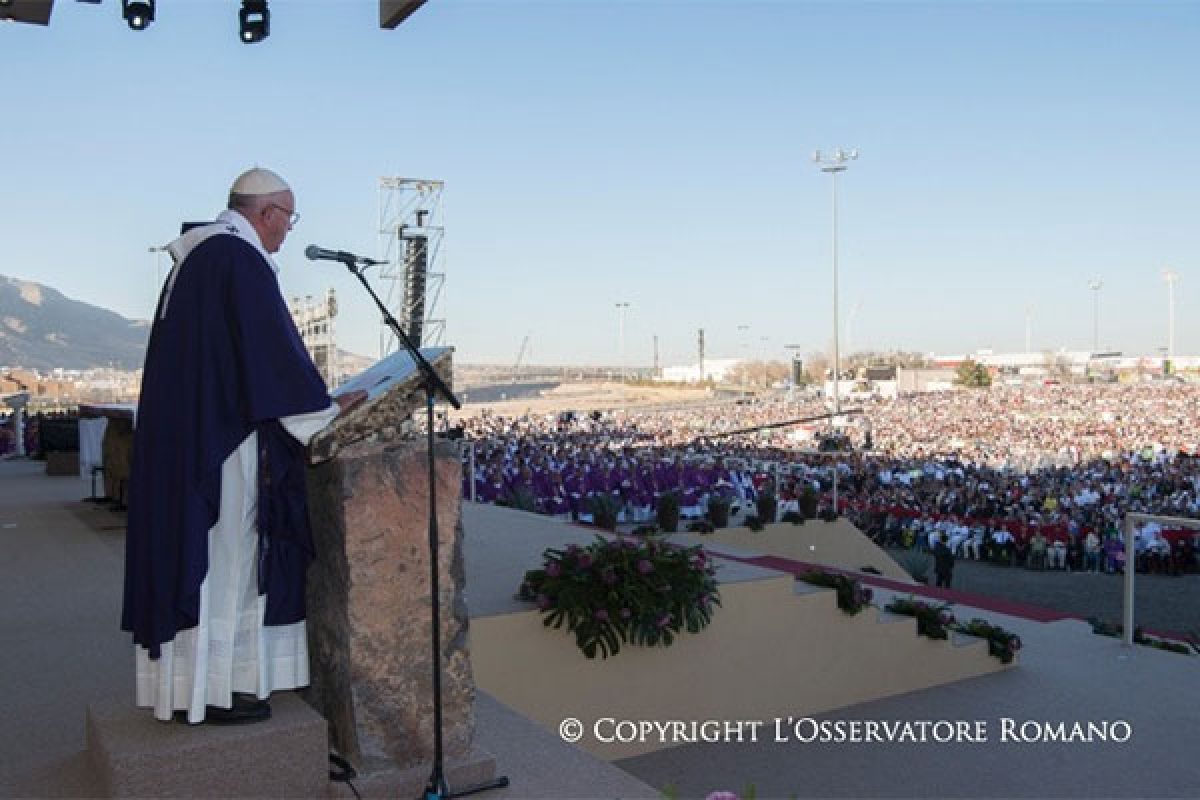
{"points": [[316, 321], [410, 240]]}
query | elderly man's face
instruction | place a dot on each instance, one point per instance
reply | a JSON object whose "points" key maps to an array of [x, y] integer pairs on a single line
{"points": [[276, 217]]}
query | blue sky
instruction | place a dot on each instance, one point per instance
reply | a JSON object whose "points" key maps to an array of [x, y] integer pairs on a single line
{"points": [[650, 152]]}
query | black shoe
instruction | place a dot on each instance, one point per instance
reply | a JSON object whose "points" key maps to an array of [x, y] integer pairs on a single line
{"points": [[246, 709]]}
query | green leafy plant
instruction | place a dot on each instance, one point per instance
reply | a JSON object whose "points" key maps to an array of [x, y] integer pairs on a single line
{"points": [[767, 505], [808, 502], [1001, 643], [521, 498], [625, 591], [933, 619], [718, 510], [667, 512], [973, 375], [604, 509], [852, 596], [1140, 637]]}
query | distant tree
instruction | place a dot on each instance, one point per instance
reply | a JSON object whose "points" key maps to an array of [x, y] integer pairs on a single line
{"points": [[913, 360], [973, 375], [758, 373], [892, 358], [815, 364]]}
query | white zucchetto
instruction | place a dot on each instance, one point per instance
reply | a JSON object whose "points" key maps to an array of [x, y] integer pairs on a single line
{"points": [[259, 181]]}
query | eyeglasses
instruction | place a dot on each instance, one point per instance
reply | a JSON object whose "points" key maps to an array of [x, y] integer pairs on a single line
{"points": [[293, 217]]}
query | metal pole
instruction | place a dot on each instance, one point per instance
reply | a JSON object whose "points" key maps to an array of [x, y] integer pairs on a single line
{"points": [[621, 336], [1171, 320], [436, 787], [1096, 285], [1170, 276], [744, 362], [1130, 569], [835, 164], [471, 457], [837, 362], [1132, 520]]}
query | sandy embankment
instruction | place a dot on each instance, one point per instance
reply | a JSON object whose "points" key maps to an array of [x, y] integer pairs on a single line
{"points": [[587, 397]]}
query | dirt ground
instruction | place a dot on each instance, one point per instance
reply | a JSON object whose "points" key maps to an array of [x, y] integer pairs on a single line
{"points": [[589, 397]]}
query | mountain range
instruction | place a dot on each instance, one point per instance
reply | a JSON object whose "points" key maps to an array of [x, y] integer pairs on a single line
{"points": [[41, 328]]}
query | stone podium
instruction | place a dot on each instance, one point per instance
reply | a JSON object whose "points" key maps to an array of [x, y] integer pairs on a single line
{"points": [[369, 616], [117, 446]]}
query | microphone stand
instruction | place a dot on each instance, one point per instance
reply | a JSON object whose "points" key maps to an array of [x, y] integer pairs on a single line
{"points": [[436, 788]]}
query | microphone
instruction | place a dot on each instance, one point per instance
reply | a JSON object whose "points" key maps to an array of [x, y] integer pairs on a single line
{"points": [[315, 253]]}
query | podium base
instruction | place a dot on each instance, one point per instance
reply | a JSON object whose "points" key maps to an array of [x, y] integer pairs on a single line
{"points": [[131, 754], [477, 766]]}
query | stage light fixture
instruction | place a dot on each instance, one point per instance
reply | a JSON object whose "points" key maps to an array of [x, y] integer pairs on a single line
{"points": [[31, 12], [137, 13], [255, 21]]}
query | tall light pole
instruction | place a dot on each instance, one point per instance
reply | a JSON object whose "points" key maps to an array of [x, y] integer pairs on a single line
{"points": [[763, 356], [1170, 276], [854, 309], [793, 350], [1096, 285], [622, 307], [834, 165], [744, 345]]}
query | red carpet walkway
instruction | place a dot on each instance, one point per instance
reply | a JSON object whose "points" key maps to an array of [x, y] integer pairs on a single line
{"points": [[982, 602], [999, 605]]}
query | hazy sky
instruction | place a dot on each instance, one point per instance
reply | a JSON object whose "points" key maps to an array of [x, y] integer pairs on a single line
{"points": [[650, 152]]}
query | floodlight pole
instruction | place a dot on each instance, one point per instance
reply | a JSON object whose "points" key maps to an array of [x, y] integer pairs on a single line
{"points": [[744, 344], [1170, 276], [1096, 285], [622, 307], [833, 165]]}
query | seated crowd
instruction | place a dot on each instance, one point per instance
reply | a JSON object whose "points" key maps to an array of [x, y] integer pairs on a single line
{"points": [[1040, 477]]}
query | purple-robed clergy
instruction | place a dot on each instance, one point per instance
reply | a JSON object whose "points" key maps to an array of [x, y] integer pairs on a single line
{"points": [[218, 536]]}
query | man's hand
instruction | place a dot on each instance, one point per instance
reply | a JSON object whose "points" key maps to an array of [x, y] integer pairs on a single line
{"points": [[349, 401]]}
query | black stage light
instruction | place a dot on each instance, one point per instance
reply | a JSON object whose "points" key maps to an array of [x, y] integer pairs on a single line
{"points": [[31, 12], [255, 19], [138, 13]]}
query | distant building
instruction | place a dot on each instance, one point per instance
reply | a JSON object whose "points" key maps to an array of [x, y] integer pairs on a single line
{"points": [[1072, 365], [925, 380], [715, 370], [887, 373]]}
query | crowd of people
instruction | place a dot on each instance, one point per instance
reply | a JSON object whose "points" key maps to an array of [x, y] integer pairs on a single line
{"points": [[1040, 476], [31, 425]]}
